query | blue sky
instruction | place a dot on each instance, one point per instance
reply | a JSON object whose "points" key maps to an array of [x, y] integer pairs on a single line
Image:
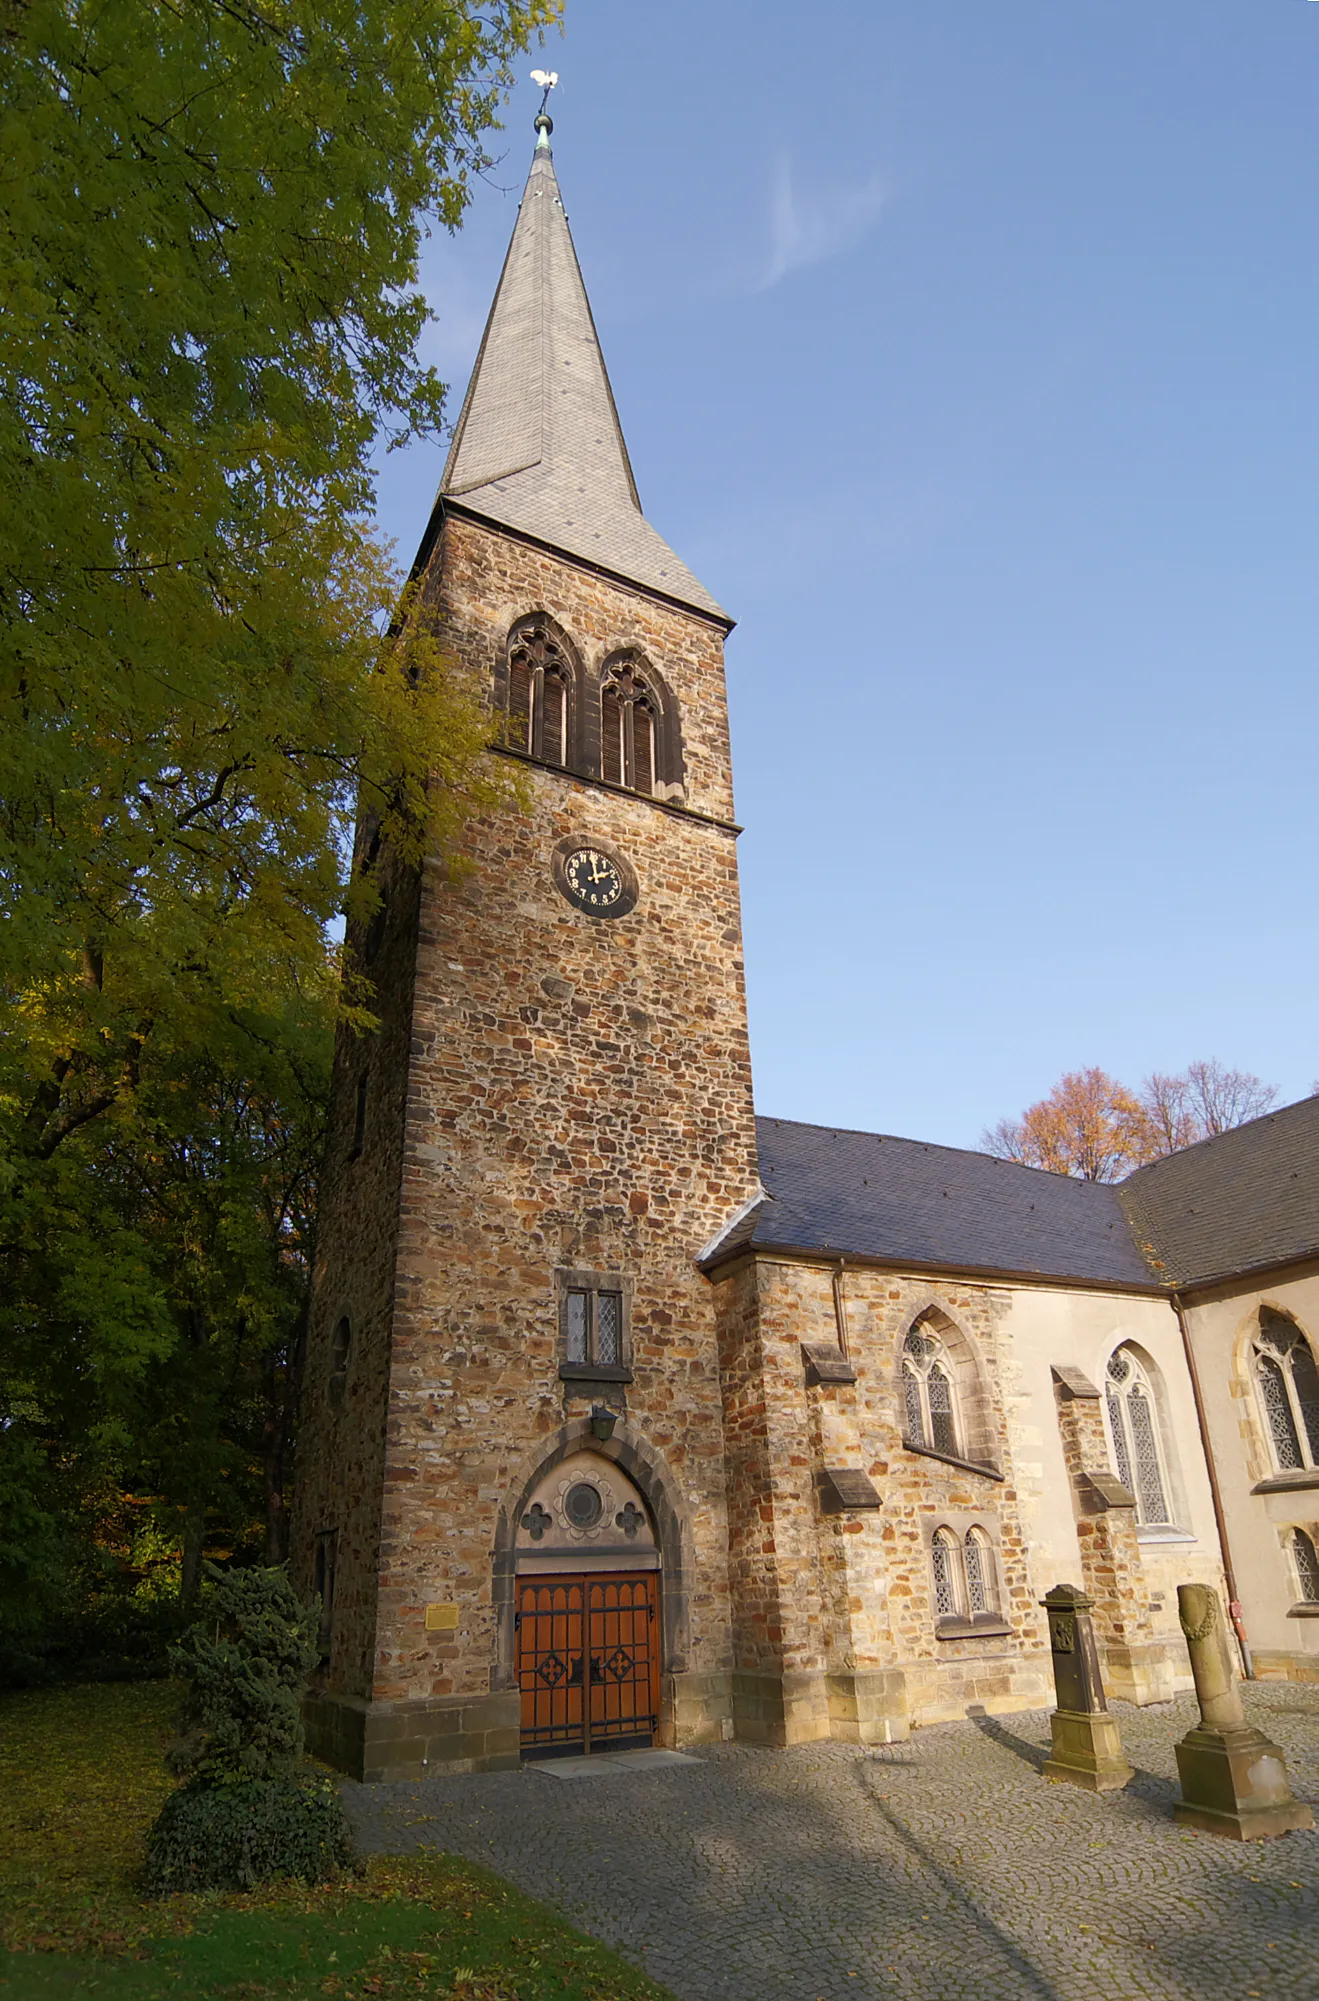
{"points": [[967, 353]]}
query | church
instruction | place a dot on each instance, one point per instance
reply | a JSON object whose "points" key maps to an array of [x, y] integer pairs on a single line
{"points": [[630, 1417]]}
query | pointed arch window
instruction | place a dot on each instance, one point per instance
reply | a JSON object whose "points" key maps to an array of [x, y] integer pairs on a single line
{"points": [[629, 724], [929, 1400], [1137, 1447], [1307, 1566], [539, 695], [1288, 1385], [965, 1584]]}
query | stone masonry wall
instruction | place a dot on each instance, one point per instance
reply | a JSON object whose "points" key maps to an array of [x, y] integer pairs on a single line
{"points": [[579, 1097], [342, 1429], [1111, 1567], [853, 1591]]}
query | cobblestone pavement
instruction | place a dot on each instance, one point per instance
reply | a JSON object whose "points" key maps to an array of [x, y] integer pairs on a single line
{"points": [[943, 1869]]}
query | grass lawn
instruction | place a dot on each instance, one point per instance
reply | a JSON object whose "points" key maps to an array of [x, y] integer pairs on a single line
{"points": [[81, 1780]]}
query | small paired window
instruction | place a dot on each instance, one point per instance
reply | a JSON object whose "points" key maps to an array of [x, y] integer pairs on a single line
{"points": [[628, 731], [327, 1558], [964, 1582], [1288, 1385], [539, 705], [594, 1337], [929, 1404], [594, 1326], [1137, 1447]]}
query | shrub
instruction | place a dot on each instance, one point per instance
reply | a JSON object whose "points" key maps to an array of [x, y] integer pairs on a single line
{"points": [[238, 1836], [246, 1814], [245, 1661]]}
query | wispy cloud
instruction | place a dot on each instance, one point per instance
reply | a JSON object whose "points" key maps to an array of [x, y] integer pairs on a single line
{"points": [[810, 225]]}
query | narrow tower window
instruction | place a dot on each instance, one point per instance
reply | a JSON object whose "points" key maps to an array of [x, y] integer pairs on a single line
{"points": [[359, 1118], [327, 1563], [341, 1348]]}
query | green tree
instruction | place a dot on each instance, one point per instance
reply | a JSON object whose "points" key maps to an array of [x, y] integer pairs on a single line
{"points": [[243, 1665], [246, 1812], [210, 219], [210, 216], [153, 1332]]}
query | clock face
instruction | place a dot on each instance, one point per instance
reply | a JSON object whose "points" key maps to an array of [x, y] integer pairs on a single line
{"points": [[594, 881]]}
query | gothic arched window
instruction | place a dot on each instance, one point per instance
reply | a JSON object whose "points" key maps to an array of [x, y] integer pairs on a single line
{"points": [[1137, 1449], [978, 1560], [963, 1572], [928, 1399], [539, 694], [1288, 1384], [629, 729], [945, 1557], [1307, 1566]]}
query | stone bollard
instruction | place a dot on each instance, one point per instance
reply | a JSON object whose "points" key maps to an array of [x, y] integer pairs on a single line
{"points": [[1087, 1750], [1234, 1781]]}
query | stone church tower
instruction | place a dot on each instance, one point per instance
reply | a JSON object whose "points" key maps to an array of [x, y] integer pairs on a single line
{"points": [[512, 1470], [629, 1418]]}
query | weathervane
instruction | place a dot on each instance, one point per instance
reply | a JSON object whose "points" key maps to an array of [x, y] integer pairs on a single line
{"points": [[546, 78]]}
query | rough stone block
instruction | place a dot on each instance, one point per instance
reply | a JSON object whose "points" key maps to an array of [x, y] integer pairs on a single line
{"points": [[1087, 1751], [1234, 1783]]}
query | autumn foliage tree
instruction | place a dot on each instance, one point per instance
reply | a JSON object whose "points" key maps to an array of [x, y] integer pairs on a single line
{"points": [[1097, 1129]]}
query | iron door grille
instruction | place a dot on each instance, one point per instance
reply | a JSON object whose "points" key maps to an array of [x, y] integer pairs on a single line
{"points": [[588, 1663]]}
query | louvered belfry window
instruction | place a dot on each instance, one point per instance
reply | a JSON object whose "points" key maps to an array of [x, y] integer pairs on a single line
{"points": [[539, 696], [1132, 1420], [929, 1402], [628, 731], [1288, 1385], [612, 759]]}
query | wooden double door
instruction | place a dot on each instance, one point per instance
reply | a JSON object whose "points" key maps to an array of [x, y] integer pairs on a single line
{"points": [[588, 1661]]}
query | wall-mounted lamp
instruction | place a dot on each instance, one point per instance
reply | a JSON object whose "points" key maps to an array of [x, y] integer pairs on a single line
{"points": [[603, 1421]]}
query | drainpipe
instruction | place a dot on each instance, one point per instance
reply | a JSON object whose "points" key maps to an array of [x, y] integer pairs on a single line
{"points": [[1234, 1607], [840, 1306]]}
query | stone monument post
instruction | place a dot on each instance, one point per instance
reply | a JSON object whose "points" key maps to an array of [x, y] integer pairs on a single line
{"points": [[1087, 1750], [1234, 1781]]}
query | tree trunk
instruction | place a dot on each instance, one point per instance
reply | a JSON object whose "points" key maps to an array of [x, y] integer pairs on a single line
{"points": [[194, 1538]]}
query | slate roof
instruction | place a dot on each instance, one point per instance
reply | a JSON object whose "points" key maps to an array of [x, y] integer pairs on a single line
{"points": [[538, 446], [1237, 1203], [1243, 1201], [871, 1195]]}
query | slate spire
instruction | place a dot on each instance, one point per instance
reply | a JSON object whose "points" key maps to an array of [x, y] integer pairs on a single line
{"points": [[538, 445]]}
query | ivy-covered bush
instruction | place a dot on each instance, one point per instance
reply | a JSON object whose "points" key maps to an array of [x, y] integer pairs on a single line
{"points": [[246, 1812], [236, 1836]]}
